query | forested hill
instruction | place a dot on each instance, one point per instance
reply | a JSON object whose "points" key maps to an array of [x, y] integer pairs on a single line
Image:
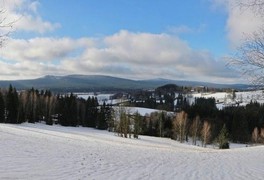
{"points": [[103, 83]]}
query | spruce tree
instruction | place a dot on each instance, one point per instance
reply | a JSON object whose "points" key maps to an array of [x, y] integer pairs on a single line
{"points": [[2, 108], [68, 111], [109, 118], [91, 112], [240, 130], [12, 105], [101, 119], [137, 125], [222, 138]]}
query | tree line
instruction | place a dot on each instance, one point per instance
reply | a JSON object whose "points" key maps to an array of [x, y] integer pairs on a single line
{"points": [[66, 109], [200, 121]]}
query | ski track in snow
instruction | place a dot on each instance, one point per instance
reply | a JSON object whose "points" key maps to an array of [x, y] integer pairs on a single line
{"points": [[37, 151]]}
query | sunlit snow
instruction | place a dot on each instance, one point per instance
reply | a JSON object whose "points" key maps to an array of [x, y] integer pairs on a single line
{"points": [[38, 151]]}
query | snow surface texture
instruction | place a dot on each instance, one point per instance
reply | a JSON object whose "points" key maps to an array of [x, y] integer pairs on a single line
{"points": [[37, 151]]}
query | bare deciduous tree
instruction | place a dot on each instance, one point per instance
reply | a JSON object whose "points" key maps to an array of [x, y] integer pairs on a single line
{"points": [[249, 57], [5, 25], [206, 133], [256, 5], [261, 135], [122, 121], [195, 129], [255, 135], [179, 126]]}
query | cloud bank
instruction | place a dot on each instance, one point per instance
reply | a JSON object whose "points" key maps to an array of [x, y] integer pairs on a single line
{"points": [[124, 54], [136, 55]]}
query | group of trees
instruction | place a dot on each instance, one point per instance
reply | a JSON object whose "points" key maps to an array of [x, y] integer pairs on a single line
{"points": [[128, 124], [125, 123], [196, 129], [238, 121], [68, 110], [180, 127], [9, 103], [200, 121]]}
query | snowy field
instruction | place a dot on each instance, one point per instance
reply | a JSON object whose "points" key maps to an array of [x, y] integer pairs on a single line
{"points": [[140, 110], [37, 151], [224, 99], [101, 98]]}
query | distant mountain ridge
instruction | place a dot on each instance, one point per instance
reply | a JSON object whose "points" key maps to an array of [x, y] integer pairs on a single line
{"points": [[84, 83]]}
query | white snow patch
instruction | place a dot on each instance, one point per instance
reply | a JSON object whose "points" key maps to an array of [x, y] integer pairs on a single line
{"points": [[37, 151]]}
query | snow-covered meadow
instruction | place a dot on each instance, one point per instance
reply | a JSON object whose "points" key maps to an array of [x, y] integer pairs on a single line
{"points": [[38, 151], [224, 99]]}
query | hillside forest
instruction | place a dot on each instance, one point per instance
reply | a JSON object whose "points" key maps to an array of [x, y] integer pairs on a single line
{"points": [[200, 121]]}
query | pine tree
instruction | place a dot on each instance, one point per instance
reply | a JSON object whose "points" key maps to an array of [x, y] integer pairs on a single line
{"points": [[21, 111], [68, 110], [12, 105], [91, 112], [32, 106], [137, 125], [222, 138], [161, 119], [150, 130], [2, 108], [110, 118], [102, 121], [240, 129]]}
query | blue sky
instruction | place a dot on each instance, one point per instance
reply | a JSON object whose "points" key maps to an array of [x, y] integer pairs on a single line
{"points": [[100, 18], [139, 39]]}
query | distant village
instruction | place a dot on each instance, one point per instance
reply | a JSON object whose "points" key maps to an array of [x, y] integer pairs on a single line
{"points": [[174, 98]]}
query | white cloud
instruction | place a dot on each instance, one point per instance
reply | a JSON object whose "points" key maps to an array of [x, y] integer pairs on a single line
{"points": [[27, 70], [124, 54], [241, 21], [145, 55], [43, 49], [25, 15]]}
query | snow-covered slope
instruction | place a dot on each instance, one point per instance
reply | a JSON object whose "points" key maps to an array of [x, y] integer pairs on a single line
{"points": [[36, 151]]}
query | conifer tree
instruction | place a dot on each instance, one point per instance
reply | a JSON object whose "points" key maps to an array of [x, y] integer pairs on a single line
{"points": [[91, 112], [240, 130], [222, 138], [161, 119], [21, 109], [102, 121], [110, 118], [12, 105], [2, 108], [137, 125], [69, 111]]}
